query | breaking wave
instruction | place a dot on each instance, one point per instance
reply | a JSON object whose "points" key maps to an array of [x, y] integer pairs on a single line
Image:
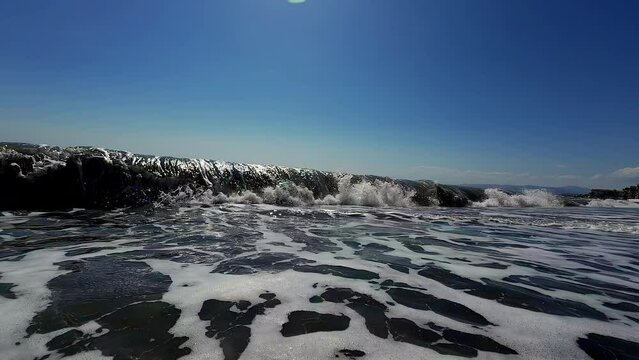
{"points": [[364, 193], [106, 179], [376, 194], [610, 203], [529, 198]]}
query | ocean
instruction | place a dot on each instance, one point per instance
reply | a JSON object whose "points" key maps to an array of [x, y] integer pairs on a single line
{"points": [[192, 278]]}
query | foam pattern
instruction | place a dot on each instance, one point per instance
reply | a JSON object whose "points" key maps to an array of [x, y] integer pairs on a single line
{"points": [[207, 278]]}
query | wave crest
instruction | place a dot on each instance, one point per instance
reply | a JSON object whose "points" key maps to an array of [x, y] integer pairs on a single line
{"points": [[529, 198], [288, 194], [375, 194], [364, 193]]}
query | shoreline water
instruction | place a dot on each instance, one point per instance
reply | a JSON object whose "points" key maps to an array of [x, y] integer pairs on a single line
{"points": [[249, 281]]}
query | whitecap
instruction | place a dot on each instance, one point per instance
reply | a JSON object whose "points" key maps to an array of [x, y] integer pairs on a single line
{"points": [[529, 198]]}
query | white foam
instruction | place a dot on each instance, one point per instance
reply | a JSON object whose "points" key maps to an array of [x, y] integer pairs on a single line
{"points": [[376, 194], [631, 203], [293, 289], [529, 198], [373, 194], [288, 194], [534, 335], [30, 275]]}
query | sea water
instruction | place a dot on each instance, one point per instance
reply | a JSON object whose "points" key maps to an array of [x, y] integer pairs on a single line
{"points": [[197, 280]]}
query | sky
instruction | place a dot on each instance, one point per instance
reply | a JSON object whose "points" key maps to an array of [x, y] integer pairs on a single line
{"points": [[512, 92]]}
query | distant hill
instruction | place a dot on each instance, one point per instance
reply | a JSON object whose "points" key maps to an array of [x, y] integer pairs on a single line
{"points": [[563, 190]]}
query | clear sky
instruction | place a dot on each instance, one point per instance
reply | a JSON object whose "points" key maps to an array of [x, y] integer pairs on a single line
{"points": [[508, 91]]}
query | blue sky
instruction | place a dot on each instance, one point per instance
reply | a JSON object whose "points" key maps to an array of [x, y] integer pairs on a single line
{"points": [[542, 92]]}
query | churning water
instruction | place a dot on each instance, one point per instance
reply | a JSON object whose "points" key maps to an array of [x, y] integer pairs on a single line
{"points": [[193, 280]]}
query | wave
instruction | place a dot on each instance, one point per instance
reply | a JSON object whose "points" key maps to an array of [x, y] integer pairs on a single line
{"points": [[529, 198], [46, 177], [364, 193], [611, 203]]}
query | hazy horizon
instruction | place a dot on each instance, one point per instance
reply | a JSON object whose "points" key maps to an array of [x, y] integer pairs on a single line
{"points": [[458, 92]]}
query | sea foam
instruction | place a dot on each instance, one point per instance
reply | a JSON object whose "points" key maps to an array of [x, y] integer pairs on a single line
{"points": [[375, 194], [364, 193], [633, 203], [529, 198]]}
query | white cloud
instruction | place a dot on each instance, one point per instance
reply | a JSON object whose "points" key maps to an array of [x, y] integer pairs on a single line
{"points": [[617, 179], [627, 173]]}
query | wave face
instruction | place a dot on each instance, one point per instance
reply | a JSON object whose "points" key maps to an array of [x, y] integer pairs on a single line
{"points": [[611, 203], [377, 194], [529, 198], [364, 193], [45, 177]]}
